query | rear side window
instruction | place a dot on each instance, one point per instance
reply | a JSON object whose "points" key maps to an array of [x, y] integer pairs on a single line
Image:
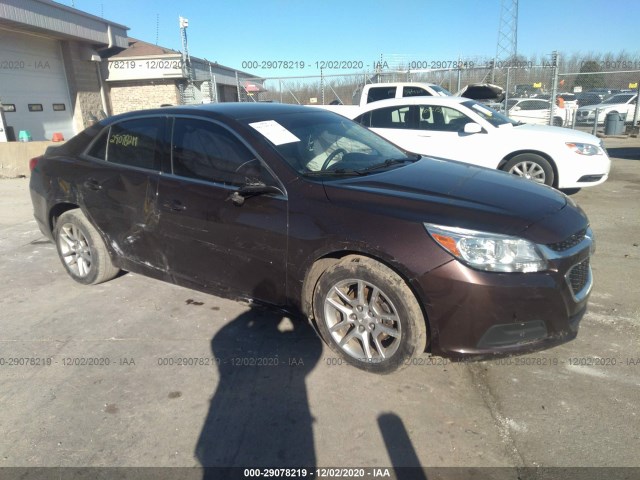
{"points": [[393, 117], [380, 93], [415, 92], [136, 143], [206, 151], [99, 148]]}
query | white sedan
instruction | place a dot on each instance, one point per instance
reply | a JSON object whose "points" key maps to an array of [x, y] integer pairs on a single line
{"points": [[624, 103], [465, 130], [535, 110]]}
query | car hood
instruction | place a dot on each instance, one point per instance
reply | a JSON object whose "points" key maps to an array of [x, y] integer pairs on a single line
{"points": [[450, 193], [560, 133], [482, 91]]}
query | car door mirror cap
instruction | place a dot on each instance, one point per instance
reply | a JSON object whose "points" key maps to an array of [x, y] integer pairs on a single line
{"points": [[472, 127]]}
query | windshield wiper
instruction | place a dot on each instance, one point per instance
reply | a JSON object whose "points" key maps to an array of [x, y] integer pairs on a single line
{"points": [[389, 162], [334, 173]]}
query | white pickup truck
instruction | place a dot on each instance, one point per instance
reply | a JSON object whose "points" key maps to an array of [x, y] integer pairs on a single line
{"points": [[373, 92]]}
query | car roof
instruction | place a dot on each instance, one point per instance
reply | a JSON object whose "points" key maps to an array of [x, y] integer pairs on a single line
{"points": [[420, 100], [232, 110], [401, 84]]}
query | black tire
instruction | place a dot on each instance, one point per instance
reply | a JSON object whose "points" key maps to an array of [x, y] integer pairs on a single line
{"points": [[557, 121], [82, 250], [531, 166], [380, 333]]}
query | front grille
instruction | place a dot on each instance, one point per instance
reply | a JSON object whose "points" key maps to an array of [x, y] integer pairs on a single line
{"points": [[579, 276], [569, 242]]}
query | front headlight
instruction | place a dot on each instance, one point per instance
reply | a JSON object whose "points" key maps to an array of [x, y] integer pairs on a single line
{"points": [[584, 148], [488, 251]]}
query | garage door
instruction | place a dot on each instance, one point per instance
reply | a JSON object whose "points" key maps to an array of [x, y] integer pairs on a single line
{"points": [[33, 86]]}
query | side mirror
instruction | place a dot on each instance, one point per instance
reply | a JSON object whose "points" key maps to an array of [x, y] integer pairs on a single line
{"points": [[515, 108], [251, 190], [472, 127]]}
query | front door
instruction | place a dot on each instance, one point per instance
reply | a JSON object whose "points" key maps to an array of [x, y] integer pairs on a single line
{"points": [[233, 250]]}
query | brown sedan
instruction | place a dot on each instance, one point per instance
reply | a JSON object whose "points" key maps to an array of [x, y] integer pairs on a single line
{"points": [[389, 253]]}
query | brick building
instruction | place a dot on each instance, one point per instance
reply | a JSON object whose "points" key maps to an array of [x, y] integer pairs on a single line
{"points": [[147, 76]]}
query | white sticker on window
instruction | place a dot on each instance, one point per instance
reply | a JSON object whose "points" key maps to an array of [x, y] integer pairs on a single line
{"points": [[274, 132]]}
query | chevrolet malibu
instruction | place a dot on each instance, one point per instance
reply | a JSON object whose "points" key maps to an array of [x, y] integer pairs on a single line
{"points": [[388, 253]]}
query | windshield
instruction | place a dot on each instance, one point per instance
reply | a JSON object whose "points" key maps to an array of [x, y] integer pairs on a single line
{"points": [[443, 92], [489, 114], [622, 98], [319, 142]]}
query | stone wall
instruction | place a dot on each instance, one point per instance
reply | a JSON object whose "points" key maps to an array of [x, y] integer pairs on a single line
{"points": [[141, 94], [15, 156]]}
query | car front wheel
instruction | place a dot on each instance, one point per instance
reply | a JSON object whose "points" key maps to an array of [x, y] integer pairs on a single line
{"points": [[82, 250], [368, 315], [532, 167]]}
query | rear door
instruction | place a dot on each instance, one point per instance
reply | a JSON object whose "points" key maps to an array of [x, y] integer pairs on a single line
{"points": [[235, 250], [118, 189]]}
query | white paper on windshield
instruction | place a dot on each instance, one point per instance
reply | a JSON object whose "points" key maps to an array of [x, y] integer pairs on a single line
{"points": [[274, 132]]}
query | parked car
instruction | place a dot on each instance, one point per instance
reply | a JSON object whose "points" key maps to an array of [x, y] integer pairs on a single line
{"points": [[386, 251], [604, 92], [570, 100], [524, 90], [585, 99], [374, 92], [467, 131], [485, 93], [534, 110], [624, 103]]}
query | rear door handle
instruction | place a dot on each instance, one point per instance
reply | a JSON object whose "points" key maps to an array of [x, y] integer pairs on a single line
{"points": [[92, 184], [174, 205]]}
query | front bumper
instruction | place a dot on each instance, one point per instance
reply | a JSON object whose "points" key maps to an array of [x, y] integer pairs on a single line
{"points": [[483, 314]]}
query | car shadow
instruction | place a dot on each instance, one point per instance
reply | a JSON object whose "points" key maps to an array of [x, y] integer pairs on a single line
{"points": [[624, 153], [259, 415]]}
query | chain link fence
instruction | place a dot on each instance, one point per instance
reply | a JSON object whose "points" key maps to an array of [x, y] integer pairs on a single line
{"points": [[529, 89]]}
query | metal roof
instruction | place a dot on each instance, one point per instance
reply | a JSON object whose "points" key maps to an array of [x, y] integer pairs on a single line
{"points": [[48, 18]]}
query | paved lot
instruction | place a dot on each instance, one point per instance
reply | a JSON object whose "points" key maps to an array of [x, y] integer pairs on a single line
{"points": [[136, 405]]}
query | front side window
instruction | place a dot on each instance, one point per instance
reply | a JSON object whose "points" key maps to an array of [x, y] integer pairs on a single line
{"points": [[620, 98], [444, 119], [136, 143], [206, 151]]}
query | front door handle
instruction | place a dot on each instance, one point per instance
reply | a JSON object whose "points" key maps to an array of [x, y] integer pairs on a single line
{"points": [[174, 205], [92, 184]]}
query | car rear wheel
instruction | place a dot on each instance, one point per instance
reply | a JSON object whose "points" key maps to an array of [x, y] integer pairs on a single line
{"points": [[557, 121], [532, 167], [82, 250], [368, 315]]}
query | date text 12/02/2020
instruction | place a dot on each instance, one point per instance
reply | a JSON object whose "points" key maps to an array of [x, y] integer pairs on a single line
{"points": [[350, 64]]}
